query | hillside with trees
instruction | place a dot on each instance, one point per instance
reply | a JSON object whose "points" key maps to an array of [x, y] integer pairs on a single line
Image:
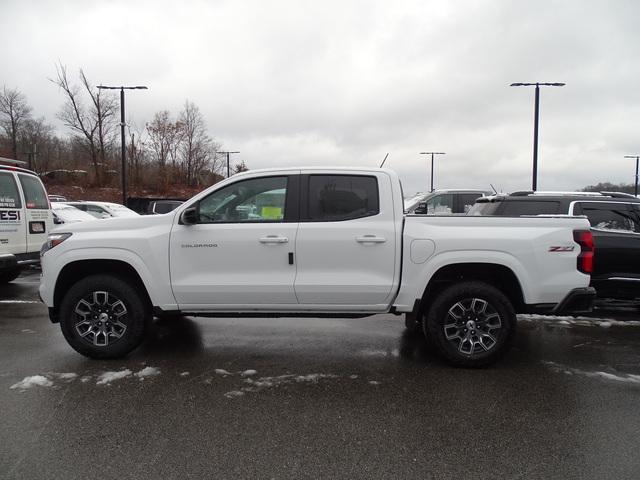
{"points": [[172, 155]]}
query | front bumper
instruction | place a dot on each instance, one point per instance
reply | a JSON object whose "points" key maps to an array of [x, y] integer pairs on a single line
{"points": [[578, 300]]}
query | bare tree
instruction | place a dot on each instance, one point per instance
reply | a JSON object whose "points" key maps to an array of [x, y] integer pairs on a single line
{"points": [[240, 167], [165, 136], [93, 123], [37, 137], [197, 149], [14, 112]]}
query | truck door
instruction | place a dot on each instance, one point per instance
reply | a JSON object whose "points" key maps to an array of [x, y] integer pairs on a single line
{"points": [[13, 238], [240, 252], [39, 219], [346, 245]]}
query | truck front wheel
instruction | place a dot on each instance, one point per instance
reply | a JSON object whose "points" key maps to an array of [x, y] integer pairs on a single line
{"points": [[471, 324], [103, 316]]}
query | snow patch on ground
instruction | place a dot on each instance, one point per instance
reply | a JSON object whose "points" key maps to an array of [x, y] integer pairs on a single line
{"points": [[33, 381], [374, 382], [579, 321], [107, 377], [19, 301], [147, 372], [262, 383], [380, 353], [27, 330], [621, 377], [249, 373], [184, 374], [221, 371], [69, 377]]}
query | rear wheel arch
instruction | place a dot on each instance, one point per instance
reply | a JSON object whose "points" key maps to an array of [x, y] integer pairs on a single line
{"points": [[496, 275]]}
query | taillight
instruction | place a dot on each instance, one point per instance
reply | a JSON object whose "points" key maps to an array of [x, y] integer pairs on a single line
{"points": [[584, 238]]}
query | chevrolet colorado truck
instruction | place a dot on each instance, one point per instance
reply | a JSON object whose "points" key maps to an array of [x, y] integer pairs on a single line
{"points": [[315, 242]]}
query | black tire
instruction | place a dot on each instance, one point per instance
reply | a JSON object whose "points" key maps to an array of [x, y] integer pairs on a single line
{"points": [[103, 316], [470, 324], [9, 275]]}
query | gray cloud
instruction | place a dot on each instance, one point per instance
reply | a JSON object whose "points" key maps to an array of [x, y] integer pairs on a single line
{"points": [[299, 82]]}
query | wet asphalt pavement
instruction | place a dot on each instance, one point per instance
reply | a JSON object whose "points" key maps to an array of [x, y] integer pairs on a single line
{"points": [[316, 398]]}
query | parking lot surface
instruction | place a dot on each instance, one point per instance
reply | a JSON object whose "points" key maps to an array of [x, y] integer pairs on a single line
{"points": [[315, 398]]}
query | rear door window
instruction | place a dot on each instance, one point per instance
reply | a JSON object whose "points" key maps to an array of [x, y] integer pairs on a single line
{"points": [[342, 197], [466, 201], [609, 216], [34, 195], [9, 197]]}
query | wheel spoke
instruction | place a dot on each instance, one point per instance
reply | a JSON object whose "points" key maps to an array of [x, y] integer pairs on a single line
{"points": [[487, 345], [83, 308], [459, 308], [118, 308], [100, 298], [479, 306], [117, 329]]}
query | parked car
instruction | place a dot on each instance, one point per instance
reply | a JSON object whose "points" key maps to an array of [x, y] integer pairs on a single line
{"points": [[104, 209], [315, 242], [615, 224], [158, 207], [57, 198], [64, 213], [25, 220], [443, 202]]}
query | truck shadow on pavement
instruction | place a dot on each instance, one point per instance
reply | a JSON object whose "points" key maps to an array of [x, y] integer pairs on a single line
{"points": [[174, 335]]}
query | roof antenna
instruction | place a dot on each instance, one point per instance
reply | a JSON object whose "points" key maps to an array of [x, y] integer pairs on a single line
{"points": [[385, 159], [494, 189]]}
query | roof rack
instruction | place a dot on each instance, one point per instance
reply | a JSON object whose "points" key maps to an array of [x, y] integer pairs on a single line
{"points": [[618, 194]]}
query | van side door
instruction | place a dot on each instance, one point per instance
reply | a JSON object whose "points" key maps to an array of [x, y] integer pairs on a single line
{"points": [[39, 219], [13, 237]]}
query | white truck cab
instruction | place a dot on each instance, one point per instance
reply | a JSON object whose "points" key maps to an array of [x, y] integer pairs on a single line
{"points": [[25, 220]]}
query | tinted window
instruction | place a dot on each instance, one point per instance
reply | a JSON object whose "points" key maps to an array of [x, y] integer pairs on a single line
{"points": [[34, 195], [342, 197], [438, 205], [255, 200], [466, 201], [526, 207], [484, 208], [609, 216], [9, 197]]}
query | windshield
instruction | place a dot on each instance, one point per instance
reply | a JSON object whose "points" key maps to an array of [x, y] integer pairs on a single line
{"points": [[67, 213]]}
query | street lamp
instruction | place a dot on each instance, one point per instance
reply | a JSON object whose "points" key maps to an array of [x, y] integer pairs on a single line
{"points": [[123, 152], [432, 154], [535, 124], [228, 153], [637, 157]]}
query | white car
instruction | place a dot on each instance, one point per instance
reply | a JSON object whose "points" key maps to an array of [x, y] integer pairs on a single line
{"points": [[104, 209], [64, 213]]}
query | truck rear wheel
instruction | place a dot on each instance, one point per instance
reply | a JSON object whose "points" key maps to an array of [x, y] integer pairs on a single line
{"points": [[471, 324], [103, 316]]}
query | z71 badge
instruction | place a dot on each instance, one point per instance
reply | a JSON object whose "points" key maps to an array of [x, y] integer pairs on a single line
{"points": [[561, 249]]}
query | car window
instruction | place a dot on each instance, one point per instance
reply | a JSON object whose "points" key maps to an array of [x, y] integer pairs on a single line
{"points": [[530, 207], [485, 208], [254, 200], [609, 216], [342, 197], [34, 194], [467, 200], [9, 197], [440, 205]]}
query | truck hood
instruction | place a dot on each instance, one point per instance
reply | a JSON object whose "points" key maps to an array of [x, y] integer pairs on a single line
{"points": [[117, 223]]}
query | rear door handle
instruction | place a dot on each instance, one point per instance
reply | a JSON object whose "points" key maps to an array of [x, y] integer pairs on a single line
{"points": [[370, 239], [274, 239]]}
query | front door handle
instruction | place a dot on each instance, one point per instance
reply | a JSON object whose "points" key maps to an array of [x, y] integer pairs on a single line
{"points": [[370, 239], [273, 239]]}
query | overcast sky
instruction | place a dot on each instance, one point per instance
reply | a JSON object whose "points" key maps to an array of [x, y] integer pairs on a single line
{"points": [[344, 82]]}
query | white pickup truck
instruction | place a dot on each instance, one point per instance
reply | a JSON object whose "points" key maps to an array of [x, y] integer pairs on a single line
{"points": [[315, 242]]}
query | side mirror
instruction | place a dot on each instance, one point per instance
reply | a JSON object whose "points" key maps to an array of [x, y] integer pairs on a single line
{"points": [[421, 208], [57, 221], [190, 216]]}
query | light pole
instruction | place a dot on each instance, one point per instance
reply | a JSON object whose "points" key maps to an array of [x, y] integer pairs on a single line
{"points": [[432, 154], [123, 152], [637, 157], [535, 123], [228, 153]]}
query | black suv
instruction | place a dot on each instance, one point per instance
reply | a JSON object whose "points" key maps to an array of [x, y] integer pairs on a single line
{"points": [[615, 224]]}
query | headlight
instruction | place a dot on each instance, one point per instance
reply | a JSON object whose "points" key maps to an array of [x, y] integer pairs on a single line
{"points": [[54, 239]]}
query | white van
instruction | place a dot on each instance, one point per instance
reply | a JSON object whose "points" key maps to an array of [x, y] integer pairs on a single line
{"points": [[25, 220]]}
